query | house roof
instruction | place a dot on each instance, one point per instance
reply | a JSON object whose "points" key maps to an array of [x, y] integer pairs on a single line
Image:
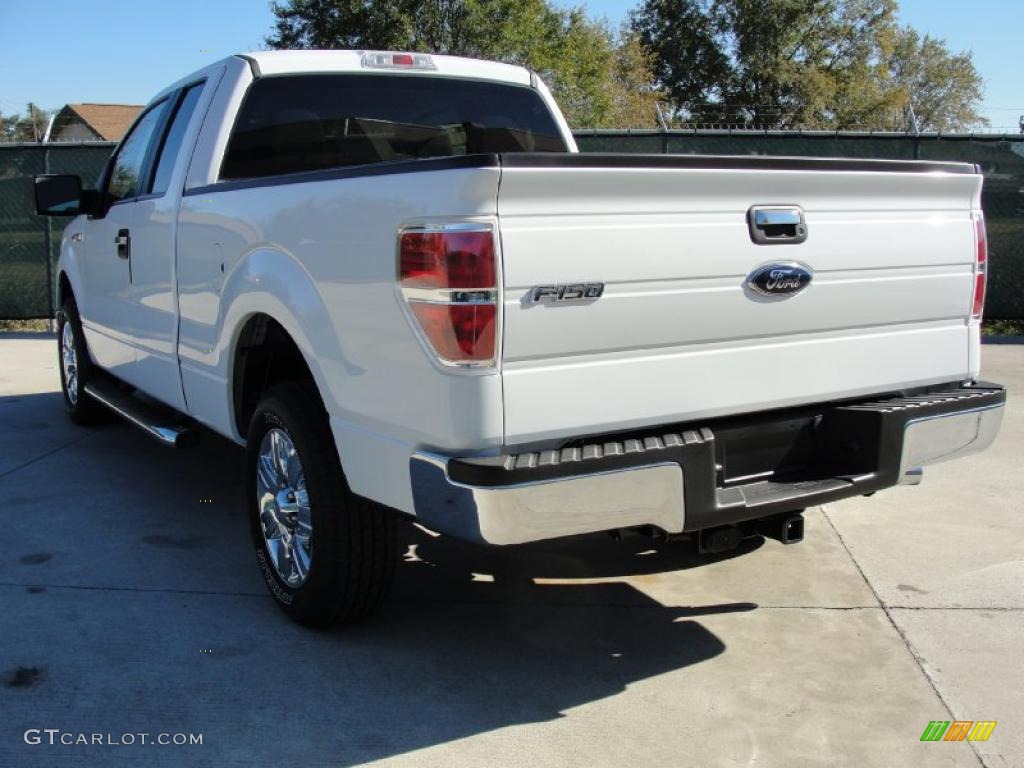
{"points": [[108, 121]]}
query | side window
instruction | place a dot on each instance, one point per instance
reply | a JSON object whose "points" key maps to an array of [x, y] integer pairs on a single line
{"points": [[175, 135], [125, 176]]}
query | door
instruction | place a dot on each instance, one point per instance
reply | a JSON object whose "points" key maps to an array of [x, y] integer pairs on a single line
{"points": [[106, 300], [153, 295]]}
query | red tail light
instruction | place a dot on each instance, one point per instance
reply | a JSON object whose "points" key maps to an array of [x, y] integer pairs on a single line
{"points": [[980, 265], [448, 277], [458, 332], [447, 260]]}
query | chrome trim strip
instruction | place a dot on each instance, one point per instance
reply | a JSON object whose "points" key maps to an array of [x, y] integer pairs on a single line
{"points": [[535, 511], [451, 295], [448, 226]]}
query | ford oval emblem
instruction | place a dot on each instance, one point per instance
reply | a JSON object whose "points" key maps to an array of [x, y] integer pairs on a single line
{"points": [[783, 279]]}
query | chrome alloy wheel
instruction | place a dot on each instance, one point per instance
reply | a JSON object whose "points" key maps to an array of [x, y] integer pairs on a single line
{"points": [[69, 362], [284, 507]]}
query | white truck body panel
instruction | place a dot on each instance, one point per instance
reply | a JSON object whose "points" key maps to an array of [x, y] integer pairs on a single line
{"points": [[312, 253]]}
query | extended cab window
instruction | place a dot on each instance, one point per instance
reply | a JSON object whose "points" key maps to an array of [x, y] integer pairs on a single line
{"points": [[126, 173], [175, 135], [307, 122]]}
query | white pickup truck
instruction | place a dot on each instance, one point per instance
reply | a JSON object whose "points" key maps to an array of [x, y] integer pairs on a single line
{"points": [[394, 280]]}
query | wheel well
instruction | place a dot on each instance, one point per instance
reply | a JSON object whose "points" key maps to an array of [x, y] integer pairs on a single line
{"points": [[63, 289], [266, 355]]}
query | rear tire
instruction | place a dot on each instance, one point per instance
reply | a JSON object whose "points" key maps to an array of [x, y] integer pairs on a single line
{"points": [[327, 555], [75, 367]]}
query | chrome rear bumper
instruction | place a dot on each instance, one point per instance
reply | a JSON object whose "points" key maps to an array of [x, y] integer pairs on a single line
{"points": [[672, 479], [515, 514]]}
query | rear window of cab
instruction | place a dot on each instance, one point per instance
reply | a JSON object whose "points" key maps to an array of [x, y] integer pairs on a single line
{"points": [[292, 123]]}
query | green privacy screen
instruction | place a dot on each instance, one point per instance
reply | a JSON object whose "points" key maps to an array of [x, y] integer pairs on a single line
{"points": [[29, 244]]}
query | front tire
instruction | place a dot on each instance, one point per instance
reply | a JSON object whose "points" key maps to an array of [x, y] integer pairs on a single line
{"points": [[75, 366], [326, 555]]}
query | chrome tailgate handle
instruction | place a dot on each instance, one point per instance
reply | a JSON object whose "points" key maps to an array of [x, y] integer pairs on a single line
{"points": [[777, 224]]}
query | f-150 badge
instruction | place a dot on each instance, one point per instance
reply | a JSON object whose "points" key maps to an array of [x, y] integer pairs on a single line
{"points": [[567, 292], [779, 280]]}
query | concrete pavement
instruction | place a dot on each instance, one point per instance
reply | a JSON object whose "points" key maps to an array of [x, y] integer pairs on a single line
{"points": [[133, 605]]}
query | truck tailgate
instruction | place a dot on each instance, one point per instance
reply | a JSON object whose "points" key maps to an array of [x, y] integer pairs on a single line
{"points": [[678, 334]]}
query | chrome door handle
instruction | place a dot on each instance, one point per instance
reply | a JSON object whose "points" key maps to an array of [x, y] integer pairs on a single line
{"points": [[777, 224], [123, 241]]}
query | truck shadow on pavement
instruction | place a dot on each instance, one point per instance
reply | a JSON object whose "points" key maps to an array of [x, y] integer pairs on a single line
{"points": [[473, 640], [477, 639]]}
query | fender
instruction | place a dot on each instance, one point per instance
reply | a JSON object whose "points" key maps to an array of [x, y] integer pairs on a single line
{"points": [[266, 281], [69, 264]]}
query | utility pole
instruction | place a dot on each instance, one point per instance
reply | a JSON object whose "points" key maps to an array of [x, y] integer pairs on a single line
{"points": [[32, 119], [664, 125], [664, 128], [912, 120], [49, 127], [912, 128]]}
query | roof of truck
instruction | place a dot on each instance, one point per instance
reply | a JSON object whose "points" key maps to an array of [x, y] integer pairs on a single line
{"points": [[268, 63]]}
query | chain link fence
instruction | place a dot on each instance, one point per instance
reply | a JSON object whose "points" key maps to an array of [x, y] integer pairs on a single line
{"points": [[29, 244]]}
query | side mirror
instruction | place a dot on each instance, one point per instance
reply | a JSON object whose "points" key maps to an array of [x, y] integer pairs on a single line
{"points": [[62, 196]]}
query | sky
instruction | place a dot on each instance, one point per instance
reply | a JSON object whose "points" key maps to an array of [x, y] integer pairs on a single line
{"points": [[124, 51]]}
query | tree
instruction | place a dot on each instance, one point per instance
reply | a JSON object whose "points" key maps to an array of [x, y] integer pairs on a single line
{"points": [[28, 127], [772, 63], [944, 89], [802, 63], [633, 96], [688, 60], [577, 57], [379, 24]]}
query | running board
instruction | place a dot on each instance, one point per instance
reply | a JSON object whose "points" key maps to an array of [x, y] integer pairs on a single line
{"points": [[151, 420]]}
